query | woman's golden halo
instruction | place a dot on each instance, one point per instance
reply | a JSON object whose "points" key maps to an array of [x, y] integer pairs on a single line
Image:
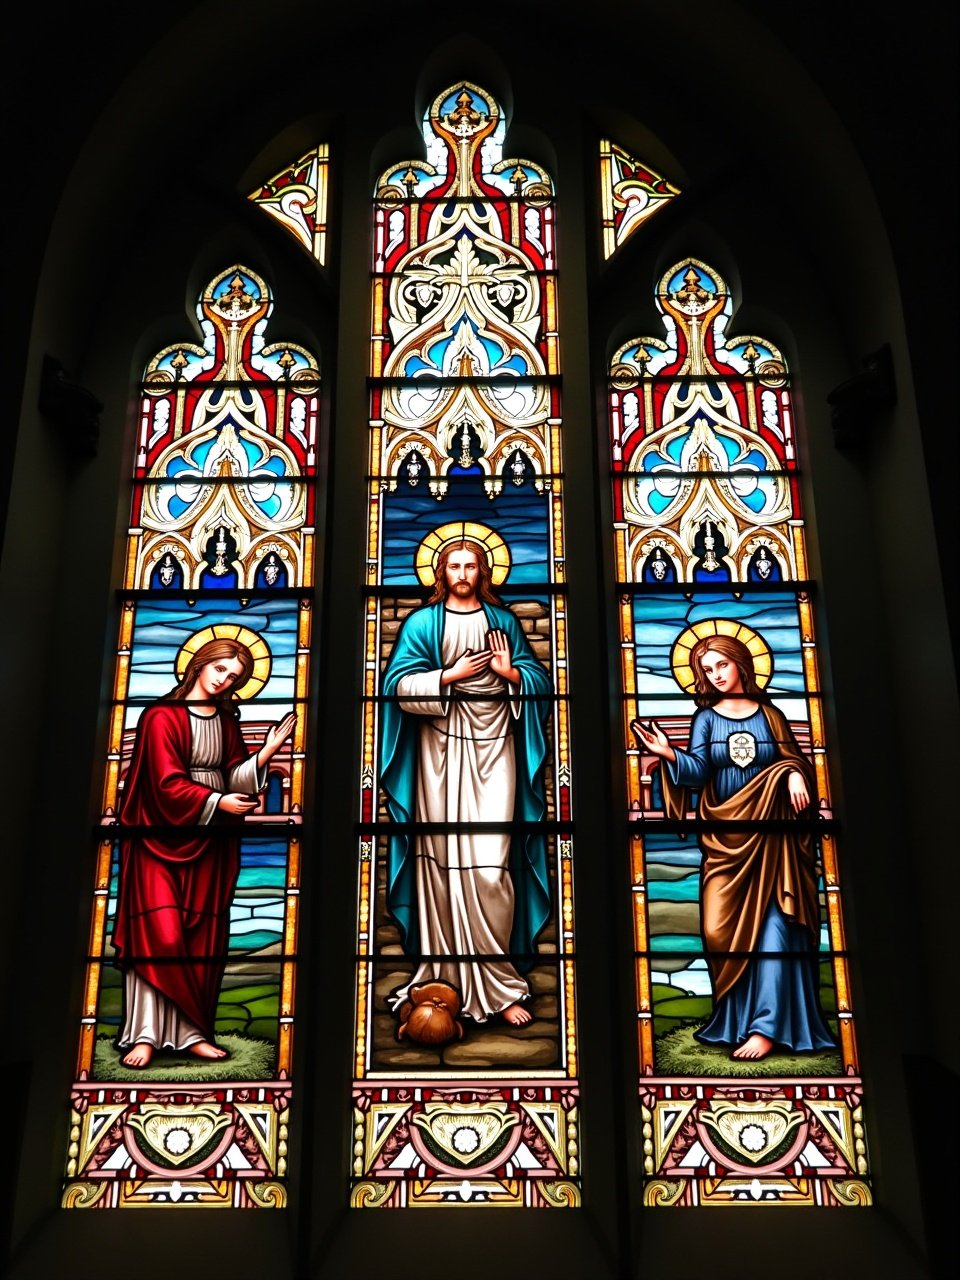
{"points": [[259, 649], [428, 552], [680, 653]]}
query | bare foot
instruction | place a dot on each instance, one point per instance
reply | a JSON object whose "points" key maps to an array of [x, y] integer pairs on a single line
{"points": [[204, 1049], [138, 1056], [516, 1015], [755, 1046]]}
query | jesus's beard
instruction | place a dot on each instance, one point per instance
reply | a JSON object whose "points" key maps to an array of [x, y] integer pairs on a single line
{"points": [[462, 590]]}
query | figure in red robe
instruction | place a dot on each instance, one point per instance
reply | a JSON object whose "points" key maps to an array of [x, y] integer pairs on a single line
{"points": [[190, 784]]}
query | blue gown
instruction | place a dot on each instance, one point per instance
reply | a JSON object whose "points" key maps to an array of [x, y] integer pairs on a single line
{"points": [[776, 994]]}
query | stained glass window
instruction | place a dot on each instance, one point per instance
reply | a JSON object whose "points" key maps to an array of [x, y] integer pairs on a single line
{"points": [[183, 1088], [749, 1075], [297, 199], [465, 1089], [630, 192]]}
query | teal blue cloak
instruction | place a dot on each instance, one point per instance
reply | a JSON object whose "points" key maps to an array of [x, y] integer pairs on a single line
{"points": [[417, 650]]}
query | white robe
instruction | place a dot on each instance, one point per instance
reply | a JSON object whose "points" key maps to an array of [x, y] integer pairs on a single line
{"points": [[466, 774]]}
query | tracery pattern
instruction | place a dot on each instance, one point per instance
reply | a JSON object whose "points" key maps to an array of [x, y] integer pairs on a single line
{"points": [[220, 553], [465, 442], [749, 1074], [297, 198], [630, 192]]}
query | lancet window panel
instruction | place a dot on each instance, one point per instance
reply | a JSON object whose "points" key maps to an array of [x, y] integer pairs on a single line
{"points": [[187, 1025], [465, 1087], [749, 1071]]}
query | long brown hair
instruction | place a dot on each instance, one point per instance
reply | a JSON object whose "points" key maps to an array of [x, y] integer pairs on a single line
{"points": [[485, 584], [705, 693], [212, 651]]}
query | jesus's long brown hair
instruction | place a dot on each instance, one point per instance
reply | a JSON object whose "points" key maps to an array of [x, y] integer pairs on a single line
{"points": [[706, 693], [484, 586]]}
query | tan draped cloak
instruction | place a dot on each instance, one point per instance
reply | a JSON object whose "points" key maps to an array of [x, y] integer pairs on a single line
{"points": [[743, 870]]}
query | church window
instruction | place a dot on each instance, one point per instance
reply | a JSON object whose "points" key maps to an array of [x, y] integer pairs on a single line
{"points": [[749, 1083], [183, 1085], [465, 1088]]}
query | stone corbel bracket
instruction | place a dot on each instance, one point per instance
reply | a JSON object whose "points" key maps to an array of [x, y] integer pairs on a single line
{"points": [[72, 409], [856, 403]]}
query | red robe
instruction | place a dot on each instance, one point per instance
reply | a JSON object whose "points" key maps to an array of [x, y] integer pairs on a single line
{"points": [[173, 909]]}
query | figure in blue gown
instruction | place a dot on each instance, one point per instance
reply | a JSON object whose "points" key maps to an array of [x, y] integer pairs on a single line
{"points": [[760, 913]]}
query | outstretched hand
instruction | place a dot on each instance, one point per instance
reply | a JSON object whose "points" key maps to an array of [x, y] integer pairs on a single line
{"points": [[237, 803], [650, 737], [275, 737]]}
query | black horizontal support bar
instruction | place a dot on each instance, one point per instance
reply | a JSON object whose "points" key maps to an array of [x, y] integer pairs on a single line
{"points": [[437, 380], [804, 823], [792, 586], [546, 826], [219, 958], [520, 590], [294, 381], [202, 482], [692, 380], [457, 957], [253, 826], [679, 473], [213, 595], [652, 955], [497, 197]]}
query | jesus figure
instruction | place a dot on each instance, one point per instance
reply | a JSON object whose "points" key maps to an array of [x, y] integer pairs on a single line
{"points": [[464, 743]]}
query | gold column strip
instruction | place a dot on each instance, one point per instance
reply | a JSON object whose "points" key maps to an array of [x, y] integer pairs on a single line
{"points": [[823, 777], [287, 982], [285, 1046], [290, 926], [98, 920], [606, 198], [841, 984], [93, 970], [360, 1059], [816, 722], [379, 336], [829, 855], [637, 872], [179, 406], [307, 570], [104, 857], [849, 1042], [751, 389], [571, 1023], [85, 1049], [279, 418], [293, 863], [799, 549], [621, 555], [640, 920], [550, 333], [836, 921], [133, 556]]}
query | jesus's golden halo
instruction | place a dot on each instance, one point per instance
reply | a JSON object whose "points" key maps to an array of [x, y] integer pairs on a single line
{"points": [[428, 552], [259, 649], [680, 653]]}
